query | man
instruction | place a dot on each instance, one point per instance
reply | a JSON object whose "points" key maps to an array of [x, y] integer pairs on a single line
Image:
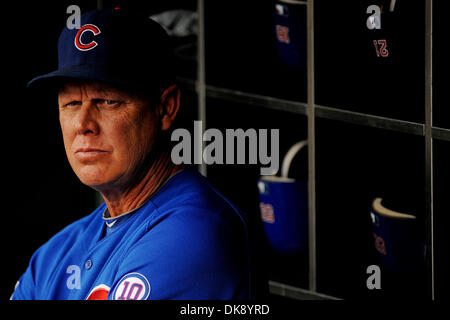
{"points": [[163, 232]]}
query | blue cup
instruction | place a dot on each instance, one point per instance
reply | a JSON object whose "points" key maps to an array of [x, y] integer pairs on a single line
{"points": [[396, 239], [284, 208], [290, 32]]}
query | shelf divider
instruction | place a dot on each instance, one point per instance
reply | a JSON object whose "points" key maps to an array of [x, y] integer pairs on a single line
{"points": [[312, 241]]}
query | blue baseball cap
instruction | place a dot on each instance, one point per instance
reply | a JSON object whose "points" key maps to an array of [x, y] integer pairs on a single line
{"points": [[116, 47]]}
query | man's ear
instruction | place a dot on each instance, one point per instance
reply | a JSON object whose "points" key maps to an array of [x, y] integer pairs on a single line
{"points": [[169, 106]]}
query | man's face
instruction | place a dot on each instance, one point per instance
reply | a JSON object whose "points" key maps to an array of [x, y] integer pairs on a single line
{"points": [[107, 132]]}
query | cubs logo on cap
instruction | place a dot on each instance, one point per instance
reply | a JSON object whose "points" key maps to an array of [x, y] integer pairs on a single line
{"points": [[78, 38]]}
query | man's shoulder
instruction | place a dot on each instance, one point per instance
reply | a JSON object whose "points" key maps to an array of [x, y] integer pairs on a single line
{"points": [[189, 198], [191, 208], [189, 189]]}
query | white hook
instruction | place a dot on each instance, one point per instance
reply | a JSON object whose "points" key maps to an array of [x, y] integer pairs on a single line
{"points": [[290, 156]]}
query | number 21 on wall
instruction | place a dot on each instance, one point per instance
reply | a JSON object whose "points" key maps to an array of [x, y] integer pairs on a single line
{"points": [[380, 48]]}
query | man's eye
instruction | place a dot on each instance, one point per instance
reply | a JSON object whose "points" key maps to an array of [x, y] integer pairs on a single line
{"points": [[110, 102], [73, 104]]}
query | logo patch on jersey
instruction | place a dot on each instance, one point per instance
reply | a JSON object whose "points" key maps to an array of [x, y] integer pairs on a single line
{"points": [[132, 286], [82, 46], [99, 292]]}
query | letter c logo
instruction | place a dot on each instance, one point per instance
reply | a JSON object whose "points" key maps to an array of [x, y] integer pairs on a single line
{"points": [[86, 46]]}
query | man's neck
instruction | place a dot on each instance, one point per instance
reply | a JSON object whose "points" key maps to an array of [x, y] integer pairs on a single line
{"points": [[119, 202]]}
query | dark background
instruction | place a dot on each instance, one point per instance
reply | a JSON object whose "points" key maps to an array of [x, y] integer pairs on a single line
{"points": [[41, 195]]}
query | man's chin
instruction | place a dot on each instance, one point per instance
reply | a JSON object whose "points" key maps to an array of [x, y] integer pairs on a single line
{"points": [[93, 178]]}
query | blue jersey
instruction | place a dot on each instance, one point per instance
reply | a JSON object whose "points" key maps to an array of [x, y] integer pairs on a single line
{"points": [[185, 242]]}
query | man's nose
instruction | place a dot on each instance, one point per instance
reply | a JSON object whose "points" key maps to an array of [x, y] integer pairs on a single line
{"points": [[87, 120]]}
